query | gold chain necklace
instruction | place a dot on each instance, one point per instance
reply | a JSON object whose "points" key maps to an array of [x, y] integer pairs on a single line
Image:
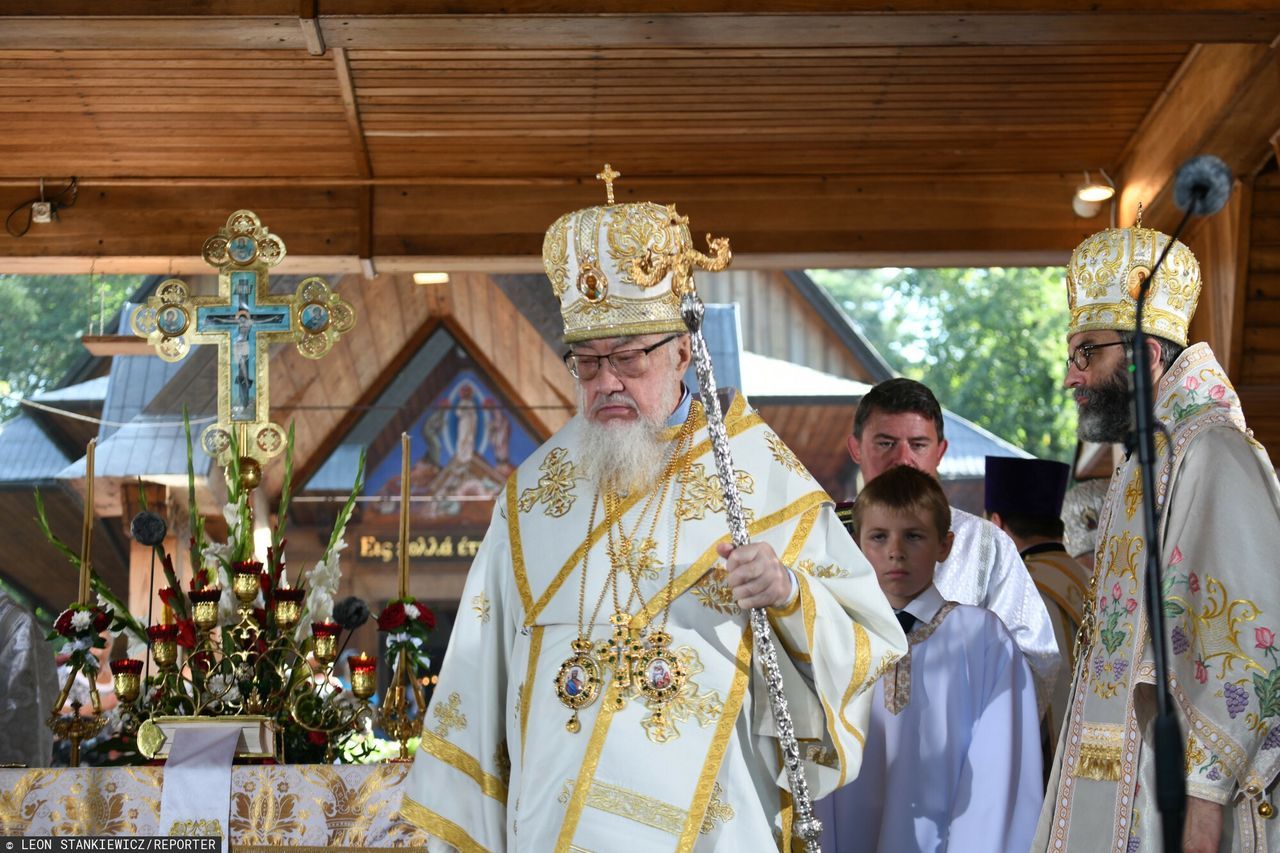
{"points": [[656, 672]]}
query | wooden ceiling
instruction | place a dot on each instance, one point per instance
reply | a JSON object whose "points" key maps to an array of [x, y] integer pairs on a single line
{"points": [[445, 134]]}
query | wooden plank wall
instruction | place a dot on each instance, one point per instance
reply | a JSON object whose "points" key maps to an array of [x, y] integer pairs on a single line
{"points": [[779, 323], [1260, 365]]}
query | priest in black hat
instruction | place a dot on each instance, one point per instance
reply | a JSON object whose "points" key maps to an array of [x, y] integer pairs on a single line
{"points": [[1024, 499]]}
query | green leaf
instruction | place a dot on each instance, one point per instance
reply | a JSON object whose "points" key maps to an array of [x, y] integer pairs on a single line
{"points": [[1173, 608], [57, 543], [1268, 689]]}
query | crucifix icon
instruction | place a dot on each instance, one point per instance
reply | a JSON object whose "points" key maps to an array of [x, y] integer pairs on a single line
{"points": [[244, 319]]}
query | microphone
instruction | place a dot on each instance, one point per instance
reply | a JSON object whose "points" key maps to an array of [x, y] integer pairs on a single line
{"points": [[1202, 185]]}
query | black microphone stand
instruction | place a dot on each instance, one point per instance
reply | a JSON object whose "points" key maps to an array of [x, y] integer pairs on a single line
{"points": [[1171, 783]]}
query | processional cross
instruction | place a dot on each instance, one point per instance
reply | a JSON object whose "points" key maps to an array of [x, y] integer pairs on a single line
{"points": [[244, 319]]}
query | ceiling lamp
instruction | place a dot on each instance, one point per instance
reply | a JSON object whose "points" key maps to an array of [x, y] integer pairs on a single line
{"points": [[1091, 194], [431, 278]]}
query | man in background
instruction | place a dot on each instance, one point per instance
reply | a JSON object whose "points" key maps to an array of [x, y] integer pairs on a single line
{"points": [[1023, 497], [899, 422]]}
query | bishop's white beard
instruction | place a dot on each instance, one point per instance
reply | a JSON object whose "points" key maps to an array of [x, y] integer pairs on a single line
{"points": [[622, 456]]}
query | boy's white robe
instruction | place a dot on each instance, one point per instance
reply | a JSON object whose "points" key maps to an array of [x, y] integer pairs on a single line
{"points": [[959, 767]]}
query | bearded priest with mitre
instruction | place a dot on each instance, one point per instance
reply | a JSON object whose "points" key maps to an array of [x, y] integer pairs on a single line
{"points": [[1218, 504], [601, 693]]}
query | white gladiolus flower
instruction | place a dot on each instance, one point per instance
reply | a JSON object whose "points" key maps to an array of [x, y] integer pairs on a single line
{"points": [[137, 647]]}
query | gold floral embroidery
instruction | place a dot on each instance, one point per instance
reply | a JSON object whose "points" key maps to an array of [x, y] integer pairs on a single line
{"points": [[816, 753], [712, 592], [208, 827], [703, 493], [502, 761], [1215, 628], [449, 715], [1195, 755], [1133, 494], [17, 805], [480, 604], [689, 704], [95, 808], [639, 557], [829, 570], [1124, 551], [718, 811], [266, 812], [632, 805], [555, 486], [349, 812], [635, 232], [785, 457]]}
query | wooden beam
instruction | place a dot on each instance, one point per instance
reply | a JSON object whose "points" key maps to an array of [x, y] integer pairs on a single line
{"points": [[1226, 102], [632, 30], [311, 32], [107, 346], [991, 216], [360, 153], [216, 8]]}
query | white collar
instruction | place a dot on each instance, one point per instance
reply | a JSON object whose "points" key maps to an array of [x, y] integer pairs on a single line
{"points": [[926, 605]]}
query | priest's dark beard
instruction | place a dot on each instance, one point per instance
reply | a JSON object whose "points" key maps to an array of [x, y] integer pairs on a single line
{"points": [[1106, 413]]}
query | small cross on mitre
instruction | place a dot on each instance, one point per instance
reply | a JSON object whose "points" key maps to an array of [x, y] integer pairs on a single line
{"points": [[608, 175]]}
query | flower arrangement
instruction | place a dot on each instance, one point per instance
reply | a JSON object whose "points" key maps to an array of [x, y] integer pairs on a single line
{"points": [[407, 622], [243, 637]]}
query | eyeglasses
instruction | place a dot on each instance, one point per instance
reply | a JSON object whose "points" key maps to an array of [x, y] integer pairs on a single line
{"points": [[1084, 354], [628, 362]]}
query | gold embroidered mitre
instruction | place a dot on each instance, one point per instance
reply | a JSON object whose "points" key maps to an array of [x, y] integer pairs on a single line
{"points": [[1106, 271], [620, 269]]}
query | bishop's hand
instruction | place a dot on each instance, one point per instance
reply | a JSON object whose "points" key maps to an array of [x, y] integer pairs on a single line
{"points": [[756, 576]]}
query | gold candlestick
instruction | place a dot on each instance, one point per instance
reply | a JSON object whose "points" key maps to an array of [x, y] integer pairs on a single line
{"points": [[404, 514], [86, 541]]}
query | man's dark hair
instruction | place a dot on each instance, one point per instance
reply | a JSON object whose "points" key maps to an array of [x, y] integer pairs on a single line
{"points": [[1032, 526], [1169, 351], [896, 397], [904, 489]]}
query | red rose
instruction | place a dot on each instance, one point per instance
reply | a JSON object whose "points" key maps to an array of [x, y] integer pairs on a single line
{"points": [[186, 633], [63, 623], [392, 617], [426, 617], [317, 738], [101, 619]]}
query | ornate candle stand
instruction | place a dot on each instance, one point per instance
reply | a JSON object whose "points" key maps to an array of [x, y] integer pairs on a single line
{"points": [[396, 715]]}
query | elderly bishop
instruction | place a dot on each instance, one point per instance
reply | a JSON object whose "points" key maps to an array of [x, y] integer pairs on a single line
{"points": [[608, 698]]}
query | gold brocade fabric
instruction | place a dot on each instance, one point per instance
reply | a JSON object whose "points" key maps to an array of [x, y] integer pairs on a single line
{"points": [[293, 806]]}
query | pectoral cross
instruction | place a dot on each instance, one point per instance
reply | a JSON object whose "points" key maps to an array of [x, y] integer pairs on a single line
{"points": [[244, 319]]}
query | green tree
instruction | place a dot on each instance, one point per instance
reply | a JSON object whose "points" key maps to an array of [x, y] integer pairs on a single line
{"points": [[989, 342], [43, 319]]}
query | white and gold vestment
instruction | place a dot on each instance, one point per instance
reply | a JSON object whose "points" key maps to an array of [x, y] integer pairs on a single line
{"points": [[499, 770]]}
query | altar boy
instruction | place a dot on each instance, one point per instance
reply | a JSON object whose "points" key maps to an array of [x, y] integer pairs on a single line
{"points": [[952, 755]]}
